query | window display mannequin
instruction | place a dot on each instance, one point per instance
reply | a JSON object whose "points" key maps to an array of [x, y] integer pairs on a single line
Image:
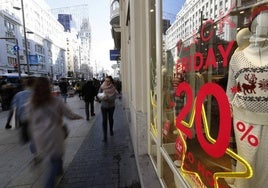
{"points": [[247, 91], [242, 39]]}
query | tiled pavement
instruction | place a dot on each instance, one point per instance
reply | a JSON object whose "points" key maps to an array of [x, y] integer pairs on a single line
{"points": [[88, 162], [104, 165]]}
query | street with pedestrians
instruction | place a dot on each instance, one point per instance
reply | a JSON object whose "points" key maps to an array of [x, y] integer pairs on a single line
{"points": [[88, 162]]}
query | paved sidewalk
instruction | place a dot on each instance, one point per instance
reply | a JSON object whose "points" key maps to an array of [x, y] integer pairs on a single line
{"points": [[17, 168], [104, 165], [88, 162]]}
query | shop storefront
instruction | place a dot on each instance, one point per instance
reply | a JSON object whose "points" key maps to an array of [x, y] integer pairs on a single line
{"points": [[208, 122]]}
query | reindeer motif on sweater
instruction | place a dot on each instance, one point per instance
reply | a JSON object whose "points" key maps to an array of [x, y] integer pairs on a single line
{"points": [[247, 86], [252, 80]]}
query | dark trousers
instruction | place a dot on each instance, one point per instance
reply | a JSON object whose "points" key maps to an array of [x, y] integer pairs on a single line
{"points": [[64, 96], [25, 132], [107, 114], [10, 114], [91, 103]]}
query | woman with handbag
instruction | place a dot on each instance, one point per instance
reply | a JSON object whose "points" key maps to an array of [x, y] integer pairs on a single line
{"points": [[44, 114], [107, 95]]}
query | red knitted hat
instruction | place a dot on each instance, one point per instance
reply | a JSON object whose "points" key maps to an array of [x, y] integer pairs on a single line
{"points": [[255, 12]]}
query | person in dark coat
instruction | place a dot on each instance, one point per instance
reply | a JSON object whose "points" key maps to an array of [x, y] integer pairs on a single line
{"points": [[88, 94], [63, 85]]}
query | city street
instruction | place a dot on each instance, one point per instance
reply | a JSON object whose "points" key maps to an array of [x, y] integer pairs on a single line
{"points": [[16, 165]]}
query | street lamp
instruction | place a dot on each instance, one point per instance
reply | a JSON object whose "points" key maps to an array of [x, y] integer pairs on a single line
{"points": [[24, 32], [16, 48]]}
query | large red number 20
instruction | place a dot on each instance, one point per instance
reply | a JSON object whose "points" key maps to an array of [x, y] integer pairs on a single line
{"points": [[217, 148]]}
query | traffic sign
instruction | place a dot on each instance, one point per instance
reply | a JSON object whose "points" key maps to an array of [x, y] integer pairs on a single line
{"points": [[114, 55], [33, 59], [16, 48]]}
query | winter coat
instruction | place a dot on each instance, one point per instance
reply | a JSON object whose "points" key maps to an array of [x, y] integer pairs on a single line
{"points": [[88, 91], [46, 124]]}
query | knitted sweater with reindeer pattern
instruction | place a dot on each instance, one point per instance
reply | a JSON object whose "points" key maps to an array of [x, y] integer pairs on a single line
{"points": [[247, 86]]}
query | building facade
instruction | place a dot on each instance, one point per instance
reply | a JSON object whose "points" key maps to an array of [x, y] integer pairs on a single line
{"points": [[193, 13], [85, 42], [78, 30], [178, 88], [44, 36], [55, 48]]}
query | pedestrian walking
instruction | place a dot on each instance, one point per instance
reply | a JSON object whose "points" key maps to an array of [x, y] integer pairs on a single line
{"points": [[63, 85], [18, 105], [19, 102], [118, 86], [107, 95], [97, 85], [44, 114], [88, 94], [7, 92], [78, 90]]}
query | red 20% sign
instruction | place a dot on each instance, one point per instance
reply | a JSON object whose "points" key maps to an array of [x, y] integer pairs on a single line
{"points": [[252, 139], [215, 148]]}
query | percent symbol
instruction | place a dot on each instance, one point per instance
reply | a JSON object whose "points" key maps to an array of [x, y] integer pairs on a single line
{"points": [[252, 139]]}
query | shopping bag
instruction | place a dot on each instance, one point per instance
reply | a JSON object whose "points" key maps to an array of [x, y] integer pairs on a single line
{"points": [[101, 96]]}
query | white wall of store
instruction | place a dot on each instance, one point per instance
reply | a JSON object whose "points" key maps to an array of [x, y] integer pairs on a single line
{"points": [[135, 59], [135, 70]]}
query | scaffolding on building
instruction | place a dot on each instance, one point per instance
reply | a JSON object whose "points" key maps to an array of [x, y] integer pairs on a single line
{"points": [[77, 12]]}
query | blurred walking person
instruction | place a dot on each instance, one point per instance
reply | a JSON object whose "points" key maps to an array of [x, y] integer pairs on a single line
{"points": [[44, 114], [63, 85], [97, 85], [118, 86], [88, 94], [20, 98], [78, 90], [19, 102], [107, 95]]}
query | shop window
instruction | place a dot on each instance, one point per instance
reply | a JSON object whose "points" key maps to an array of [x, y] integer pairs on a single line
{"points": [[39, 49], [11, 60], [200, 132], [154, 132]]}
